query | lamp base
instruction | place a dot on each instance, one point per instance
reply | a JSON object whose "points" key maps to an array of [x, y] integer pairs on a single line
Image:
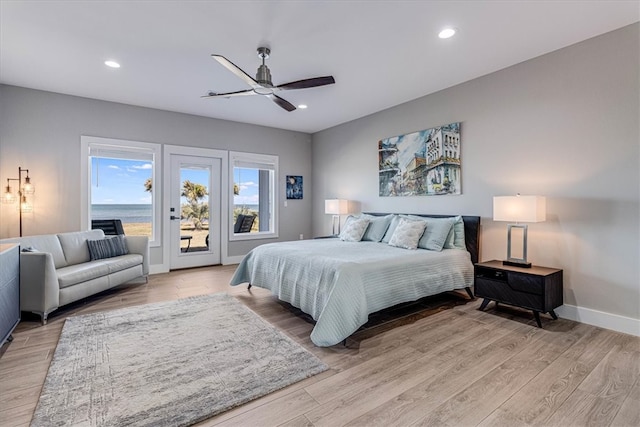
{"points": [[517, 264]]}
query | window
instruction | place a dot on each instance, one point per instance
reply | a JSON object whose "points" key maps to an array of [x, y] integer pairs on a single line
{"points": [[253, 180], [120, 180]]}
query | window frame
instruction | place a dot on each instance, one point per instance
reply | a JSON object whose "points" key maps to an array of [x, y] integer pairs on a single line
{"points": [[262, 161], [121, 145]]}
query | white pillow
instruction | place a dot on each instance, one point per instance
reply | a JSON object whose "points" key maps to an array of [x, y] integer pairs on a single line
{"points": [[354, 229], [407, 233]]}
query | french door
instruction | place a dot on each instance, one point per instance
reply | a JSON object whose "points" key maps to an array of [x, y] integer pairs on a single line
{"points": [[194, 212]]}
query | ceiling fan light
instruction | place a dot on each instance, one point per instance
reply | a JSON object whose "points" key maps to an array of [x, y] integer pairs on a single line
{"points": [[263, 90], [302, 106], [446, 33], [112, 64]]}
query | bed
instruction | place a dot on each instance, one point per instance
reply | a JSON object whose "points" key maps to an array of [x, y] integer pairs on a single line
{"points": [[339, 283]]}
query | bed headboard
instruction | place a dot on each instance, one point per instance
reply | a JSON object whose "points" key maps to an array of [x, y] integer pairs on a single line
{"points": [[471, 231]]}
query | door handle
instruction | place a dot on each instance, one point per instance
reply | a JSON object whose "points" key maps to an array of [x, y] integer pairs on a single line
{"points": [[172, 217]]}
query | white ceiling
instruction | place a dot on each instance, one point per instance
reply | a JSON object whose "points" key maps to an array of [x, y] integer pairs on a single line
{"points": [[381, 53]]}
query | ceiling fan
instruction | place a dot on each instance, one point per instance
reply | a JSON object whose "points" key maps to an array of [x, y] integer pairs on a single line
{"points": [[262, 85]]}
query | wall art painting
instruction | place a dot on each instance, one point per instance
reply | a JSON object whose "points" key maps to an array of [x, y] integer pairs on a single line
{"points": [[294, 187], [422, 163]]}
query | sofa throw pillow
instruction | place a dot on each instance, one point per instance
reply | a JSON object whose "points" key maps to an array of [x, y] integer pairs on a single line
{"points": [[407, 233], [378, 226], [354, 229], [107, 248]]}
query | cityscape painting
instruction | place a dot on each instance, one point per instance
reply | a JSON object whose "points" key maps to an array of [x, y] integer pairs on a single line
{"points": [[422, 163]]}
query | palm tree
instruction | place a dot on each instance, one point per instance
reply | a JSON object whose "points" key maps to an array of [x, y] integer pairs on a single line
{"points": [[194, 209]]}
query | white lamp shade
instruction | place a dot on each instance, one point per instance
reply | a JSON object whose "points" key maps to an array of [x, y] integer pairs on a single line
{"points": [[519, 208], [336, 206]]}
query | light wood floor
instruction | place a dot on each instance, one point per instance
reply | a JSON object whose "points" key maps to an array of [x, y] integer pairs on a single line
{"points": [[459, 367]]}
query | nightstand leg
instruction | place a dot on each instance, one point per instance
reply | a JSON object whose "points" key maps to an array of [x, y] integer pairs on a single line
{"points": [[537, 316], [553, 314], [484, 304]]}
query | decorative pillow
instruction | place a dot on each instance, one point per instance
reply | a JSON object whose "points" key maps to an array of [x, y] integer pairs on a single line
{"points": [[378, 226], [455, 239], [407, 233], [392, 227], [107, 247], [436, 233], [349, 219], [354, 229]]}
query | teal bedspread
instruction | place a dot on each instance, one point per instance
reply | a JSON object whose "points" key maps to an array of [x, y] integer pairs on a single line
{"points": [[340, 283]]}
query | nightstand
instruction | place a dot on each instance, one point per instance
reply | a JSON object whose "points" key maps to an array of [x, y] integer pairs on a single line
{"points": [[538, 289]]}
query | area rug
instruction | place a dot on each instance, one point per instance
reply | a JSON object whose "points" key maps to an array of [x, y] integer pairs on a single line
{"points": [[166, 364]]}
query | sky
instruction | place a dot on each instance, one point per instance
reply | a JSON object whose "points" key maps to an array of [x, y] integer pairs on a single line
{"points": [[247, 180], [116, 181]]}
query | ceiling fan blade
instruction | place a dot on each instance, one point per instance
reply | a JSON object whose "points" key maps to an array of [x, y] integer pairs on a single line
{"points": [[236, 70], [282, 102], [229, 94], [307, 83]]}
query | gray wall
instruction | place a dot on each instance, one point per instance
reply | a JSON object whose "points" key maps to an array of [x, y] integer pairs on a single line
{"points": [[564, 125], [41, 131]]}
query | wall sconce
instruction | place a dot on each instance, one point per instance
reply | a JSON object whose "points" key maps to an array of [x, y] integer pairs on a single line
{"points": [[519, 209], [24, 187], [336, 207]]}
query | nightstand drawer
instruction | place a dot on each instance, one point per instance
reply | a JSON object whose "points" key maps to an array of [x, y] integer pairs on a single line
{"points": [[526, 283], [504, 292], [516, 281]]}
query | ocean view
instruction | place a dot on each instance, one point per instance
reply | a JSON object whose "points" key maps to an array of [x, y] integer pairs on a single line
{"points": [[126, 213], [133, 213]]}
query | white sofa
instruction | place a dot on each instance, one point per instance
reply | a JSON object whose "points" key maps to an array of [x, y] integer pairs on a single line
{"points": [[59, 270]]}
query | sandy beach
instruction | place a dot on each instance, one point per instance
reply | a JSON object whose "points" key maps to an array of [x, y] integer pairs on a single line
{"points": [[197, 236]]}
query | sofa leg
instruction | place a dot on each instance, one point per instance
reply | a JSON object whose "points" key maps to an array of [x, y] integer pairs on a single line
{"points": [[43, 317]]}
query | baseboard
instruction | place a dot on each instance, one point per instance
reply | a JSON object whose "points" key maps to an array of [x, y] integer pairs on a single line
{"points": [[601, 319], [161, 268], [232, 260], [158, 268]]}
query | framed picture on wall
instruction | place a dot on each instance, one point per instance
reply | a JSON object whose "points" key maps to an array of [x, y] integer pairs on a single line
{"points": [[423, 163], [294, 187]]}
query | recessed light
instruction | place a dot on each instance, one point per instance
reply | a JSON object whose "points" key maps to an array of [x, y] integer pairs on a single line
{"points": [[112, 64], [446, 33], [302, 106]]}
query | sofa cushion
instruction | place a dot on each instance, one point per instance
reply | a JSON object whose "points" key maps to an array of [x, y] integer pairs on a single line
{"points": [[44, 243], [79, 273], [74, 245], [123, 262]]}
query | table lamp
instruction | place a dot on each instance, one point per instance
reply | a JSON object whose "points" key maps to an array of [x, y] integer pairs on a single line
{"points": [[336, 207], [517, 209]]}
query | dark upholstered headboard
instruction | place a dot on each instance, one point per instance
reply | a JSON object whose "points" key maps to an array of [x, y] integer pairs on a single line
{"points": [[471, 231]]}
